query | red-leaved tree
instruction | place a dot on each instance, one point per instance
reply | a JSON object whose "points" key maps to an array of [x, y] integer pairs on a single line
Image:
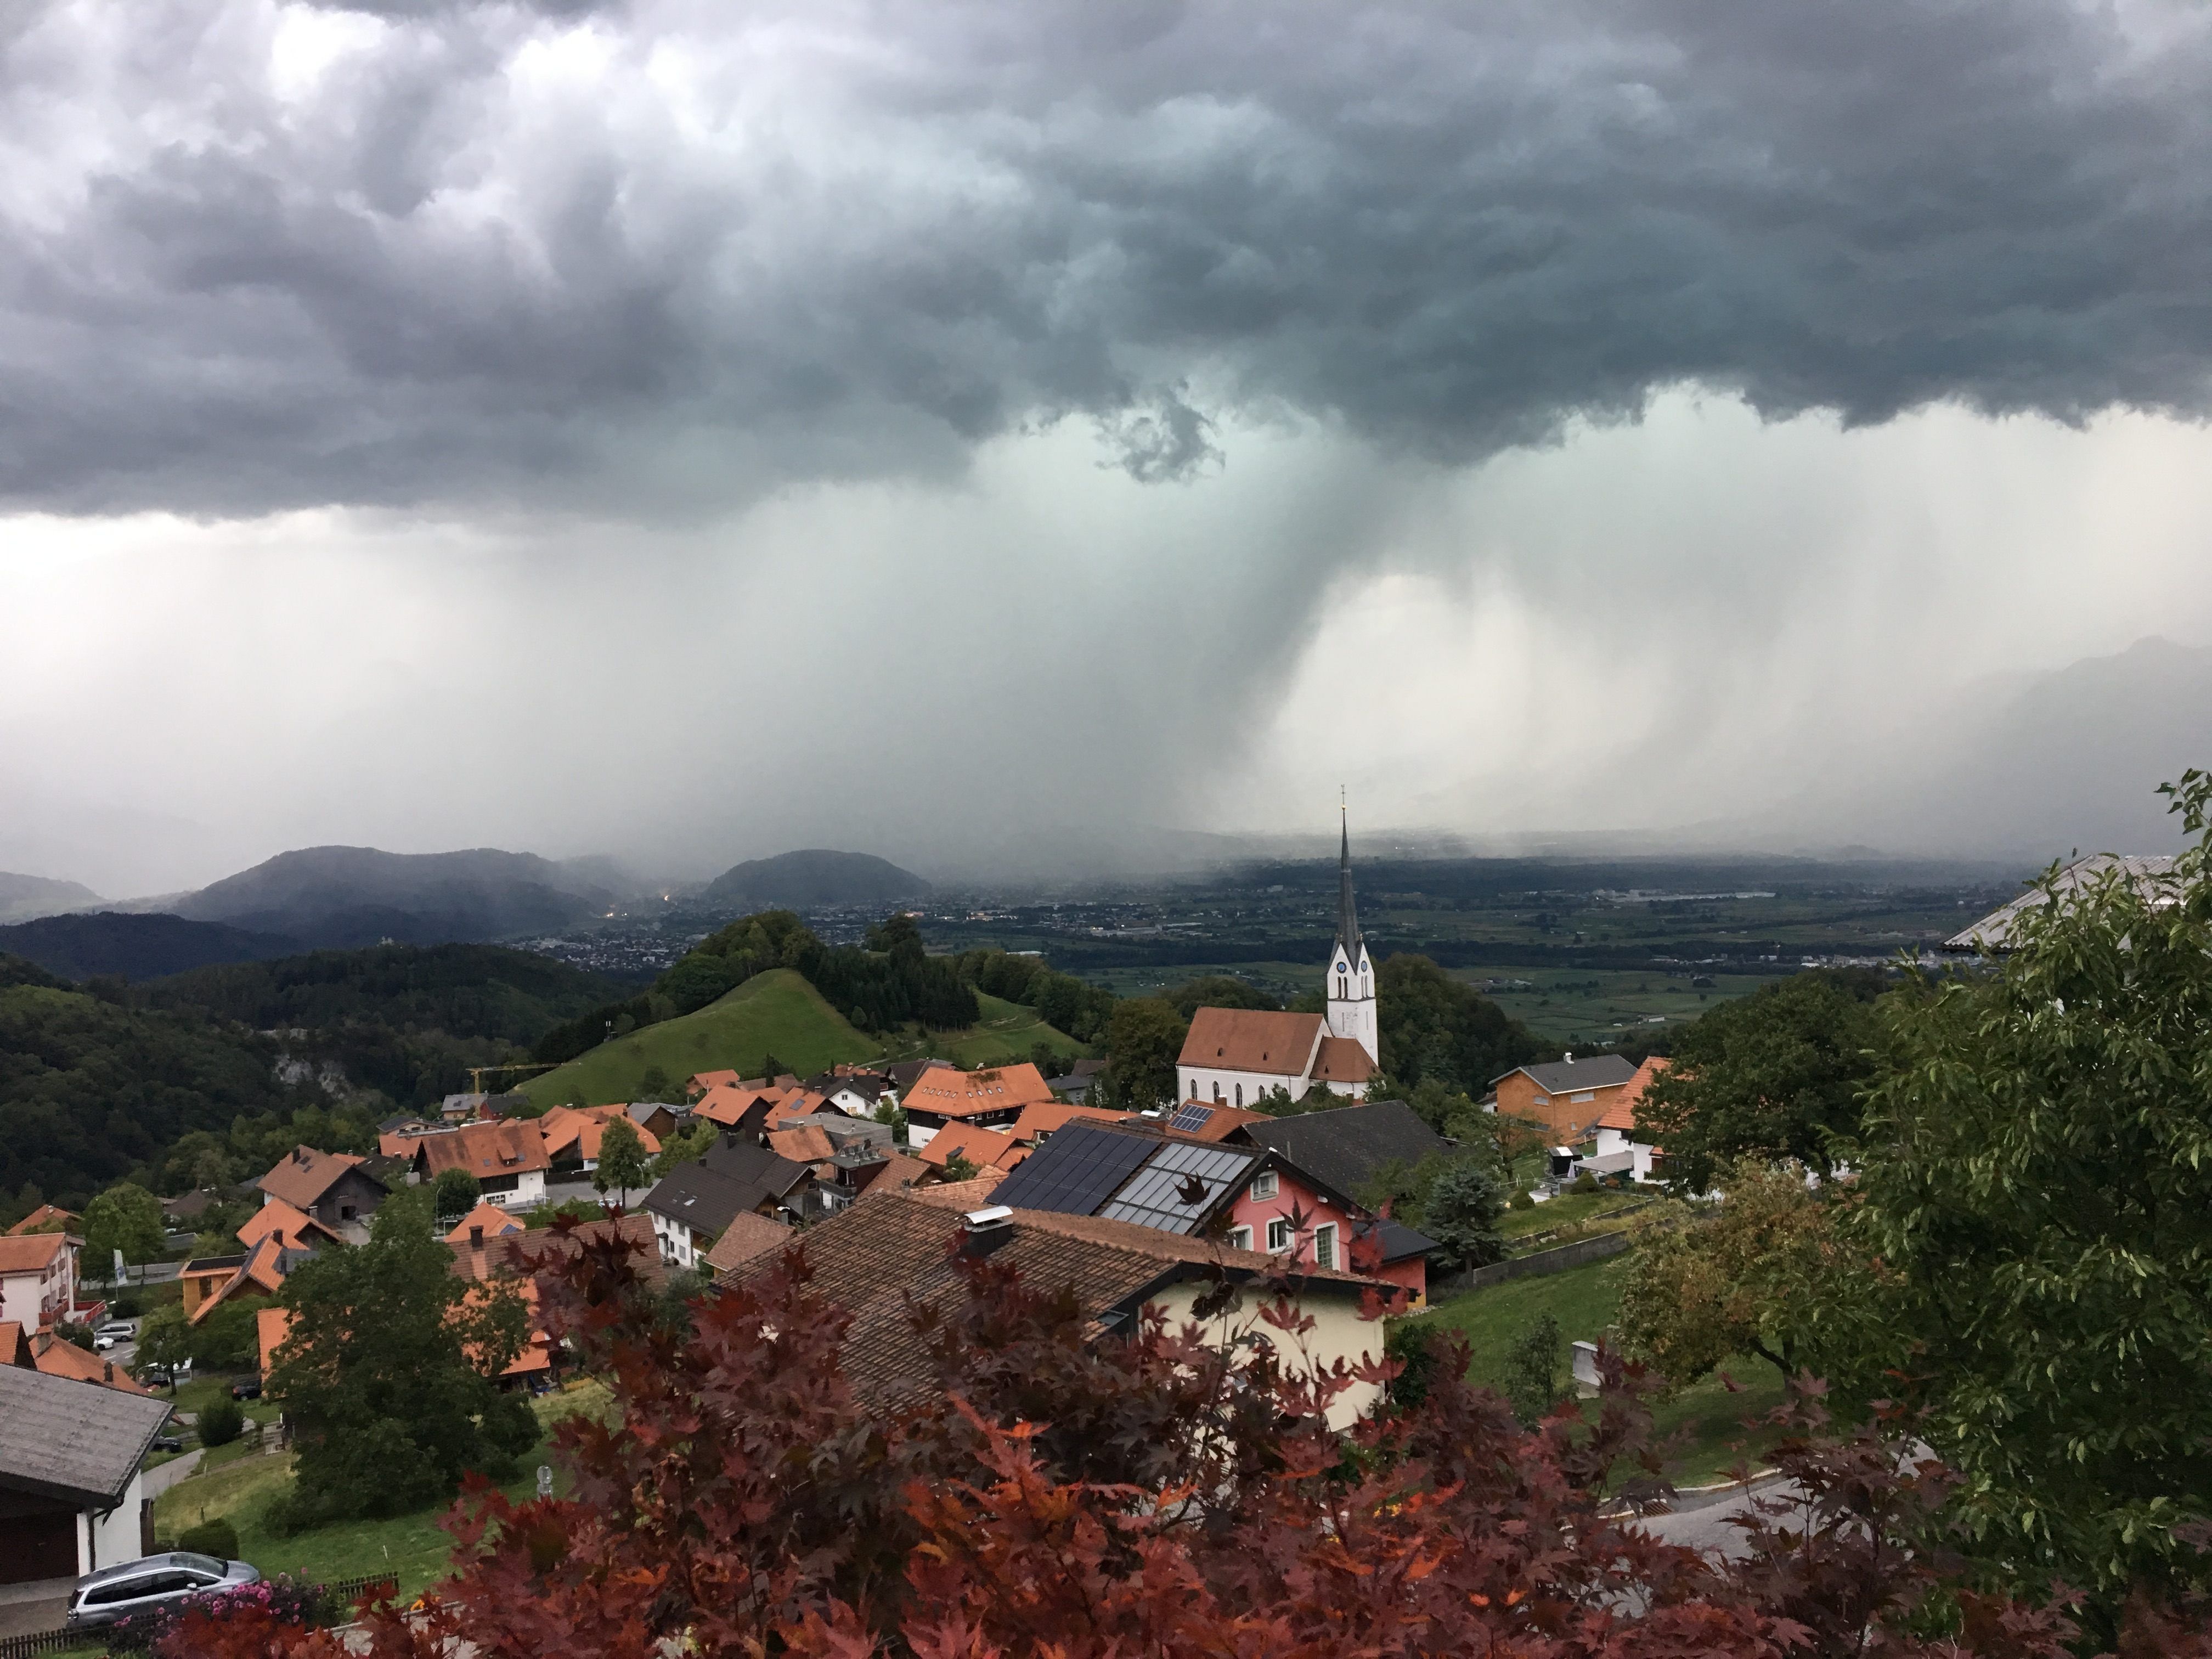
{"points": [[1044, 1490]]}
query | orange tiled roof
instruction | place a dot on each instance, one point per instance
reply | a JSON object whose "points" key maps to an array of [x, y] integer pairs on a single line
{"points": [[953, 1093], [291, 1226], [487, 1215], [807, 1144], [512, 1148], [14, 1345], [726, 1102], [46, 1218], [747, 1238], [30, 1253], [1621, 1111], [584, 1127], [60, 1358], [270, 1327], [984, 1148], [1252, 1040]]}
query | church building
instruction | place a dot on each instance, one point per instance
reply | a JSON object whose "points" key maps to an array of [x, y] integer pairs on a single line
{"points": [[1236, 1055]]}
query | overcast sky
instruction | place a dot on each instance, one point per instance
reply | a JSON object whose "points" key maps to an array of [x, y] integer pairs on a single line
{"points": [[687, 430]]}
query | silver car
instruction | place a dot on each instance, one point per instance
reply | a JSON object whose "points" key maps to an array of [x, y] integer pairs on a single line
{"points": [[150, 1582]]}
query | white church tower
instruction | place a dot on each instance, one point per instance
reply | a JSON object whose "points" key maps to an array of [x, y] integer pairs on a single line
{"points": [[1351, 974]]}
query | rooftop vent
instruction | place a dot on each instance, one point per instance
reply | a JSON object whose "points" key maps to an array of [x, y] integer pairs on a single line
{"points": [[982, 1231]]}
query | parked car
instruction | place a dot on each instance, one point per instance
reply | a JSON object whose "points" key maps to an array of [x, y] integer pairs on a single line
{"points": [[246, 1387], [150, 1582], [168, 1442], [168, 1377], [121, 1329], [101, 1341]]}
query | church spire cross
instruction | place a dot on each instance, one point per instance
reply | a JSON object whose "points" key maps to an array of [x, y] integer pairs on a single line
{"points": [[1347, 918]]}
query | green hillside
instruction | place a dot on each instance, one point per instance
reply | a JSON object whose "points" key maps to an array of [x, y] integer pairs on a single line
{"points": [[1006, 1028], [776, 1012]]}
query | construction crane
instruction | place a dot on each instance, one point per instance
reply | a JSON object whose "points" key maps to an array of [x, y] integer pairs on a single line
{"points": [[476, 1073]]}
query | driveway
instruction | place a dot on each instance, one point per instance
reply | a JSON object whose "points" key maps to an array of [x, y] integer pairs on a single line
{"points": [[162, 1476]]}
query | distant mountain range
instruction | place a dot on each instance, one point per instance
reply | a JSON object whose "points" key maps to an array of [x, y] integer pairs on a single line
{"points": [[22, 897], [816, 876], [345, 897]]}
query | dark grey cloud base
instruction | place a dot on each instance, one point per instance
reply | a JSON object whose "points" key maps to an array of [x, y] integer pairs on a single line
{"points": [[887, 233]]}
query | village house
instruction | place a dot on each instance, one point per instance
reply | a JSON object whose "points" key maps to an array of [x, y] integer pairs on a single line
{"points": [[990, 1099], [331, 1188], [987, 1150], [55, 1355], [893, 1252], [1622, 1147], [1565, 1097], [260, 1273], [37, 1278], [695, 1203], [572, 1134], [47, 1219], [1250, 1198], [508, 1159], [72, 1494]]}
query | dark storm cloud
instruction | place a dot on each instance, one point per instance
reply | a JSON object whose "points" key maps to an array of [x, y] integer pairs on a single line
{"points": [[643, 256]]}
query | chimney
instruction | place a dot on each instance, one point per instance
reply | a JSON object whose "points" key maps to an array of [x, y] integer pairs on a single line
{"points": [[299, 1155], [982, 1231], [476, 1238]]}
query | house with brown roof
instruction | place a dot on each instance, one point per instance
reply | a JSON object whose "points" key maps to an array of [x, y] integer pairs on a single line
{"points": [[572, 1136], [293, 1227], [1622, 1148], [260, 1273], [986, 1149], [894, 1254], [988, 1099], [507, 1158], [46, 1218], [37, 1278], [330, 1187], [58, 1358], [486, 1221]]}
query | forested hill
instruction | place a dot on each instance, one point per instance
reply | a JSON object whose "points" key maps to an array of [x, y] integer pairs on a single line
{"points": [[134, 946], [815, 876], [473, 990]]}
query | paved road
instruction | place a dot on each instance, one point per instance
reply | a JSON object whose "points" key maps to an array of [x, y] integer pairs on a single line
{"points": [[163, 1476], [1706, 1527]]}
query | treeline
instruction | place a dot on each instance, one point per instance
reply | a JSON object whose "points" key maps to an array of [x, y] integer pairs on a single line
{"points": [[887, 982], [1061, 1000]]}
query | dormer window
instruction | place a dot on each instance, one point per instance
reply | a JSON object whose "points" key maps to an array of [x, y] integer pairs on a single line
{"points": [[1265, 1186]]}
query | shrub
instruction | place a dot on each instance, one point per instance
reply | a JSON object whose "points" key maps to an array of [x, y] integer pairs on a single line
{"points": [[216, 1537], [1585, 1182], [221, 1422], [253, 1617], [1521, 1200]]}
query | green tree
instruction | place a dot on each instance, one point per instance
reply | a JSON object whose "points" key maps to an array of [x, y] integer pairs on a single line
{"points": [[1460, 1211], [894, 1119], [1532, 1381], [1436, 1027], [1706, 1284], [622, 1163], [387, 1376], [126, 1218], [686, 1146], [454, 1194], [655, 1084], [226, 1340], [164, 1341], [1777, 1074], [1217, 991], [219, 1423], [958, 1168], [2036, 1217], [1143, 1041]]}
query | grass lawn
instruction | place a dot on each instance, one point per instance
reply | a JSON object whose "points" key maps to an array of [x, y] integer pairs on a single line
{"points": [[777, 1013], [1706, 1414], [1006, 1028], [1587, 1006], [413, 1547]]}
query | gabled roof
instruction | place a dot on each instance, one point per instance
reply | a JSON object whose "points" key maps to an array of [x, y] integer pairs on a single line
{"points": [[485, 1150], [1045, 1116], [61, 1439], [732, 1179], [266, 1267], [1252, 1040], [500, 1257], [727, 1102], [584, 1128], [1342, 1060], [903, 1072], [745, 1240], [1345, 1147], [1172, 1183], [746, 1160], [889, 1254], [950, 1092], [1561, 1076], [46, 1218], [66, 1359], [303, 1174], [803, 1144], [495, 1221], [1621, 1111], [15, 1345], [984, 1148], [31, 1253], [291, 1226], [1209, 1120]]}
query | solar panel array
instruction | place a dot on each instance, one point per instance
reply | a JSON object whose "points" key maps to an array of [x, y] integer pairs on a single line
{"points": [[1191, 1119], [1074, 1172], [1176, 1189]]}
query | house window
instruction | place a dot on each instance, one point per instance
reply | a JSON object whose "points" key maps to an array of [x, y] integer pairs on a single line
{"points": [[1340, 992], [345, 1212], [1240, 1238], [1580, 1098], [1216, 1091], [1264, 1186], [1325, 1246], [1240, 1094], [1279, 1237]]}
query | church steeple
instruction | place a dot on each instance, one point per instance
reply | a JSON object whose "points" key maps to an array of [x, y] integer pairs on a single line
{"points": [[1347, 917], [1350, 976]]}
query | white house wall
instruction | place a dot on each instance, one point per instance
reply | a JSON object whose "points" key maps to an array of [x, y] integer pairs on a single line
{"points": [[1338, 1332], [104, 1540]]}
